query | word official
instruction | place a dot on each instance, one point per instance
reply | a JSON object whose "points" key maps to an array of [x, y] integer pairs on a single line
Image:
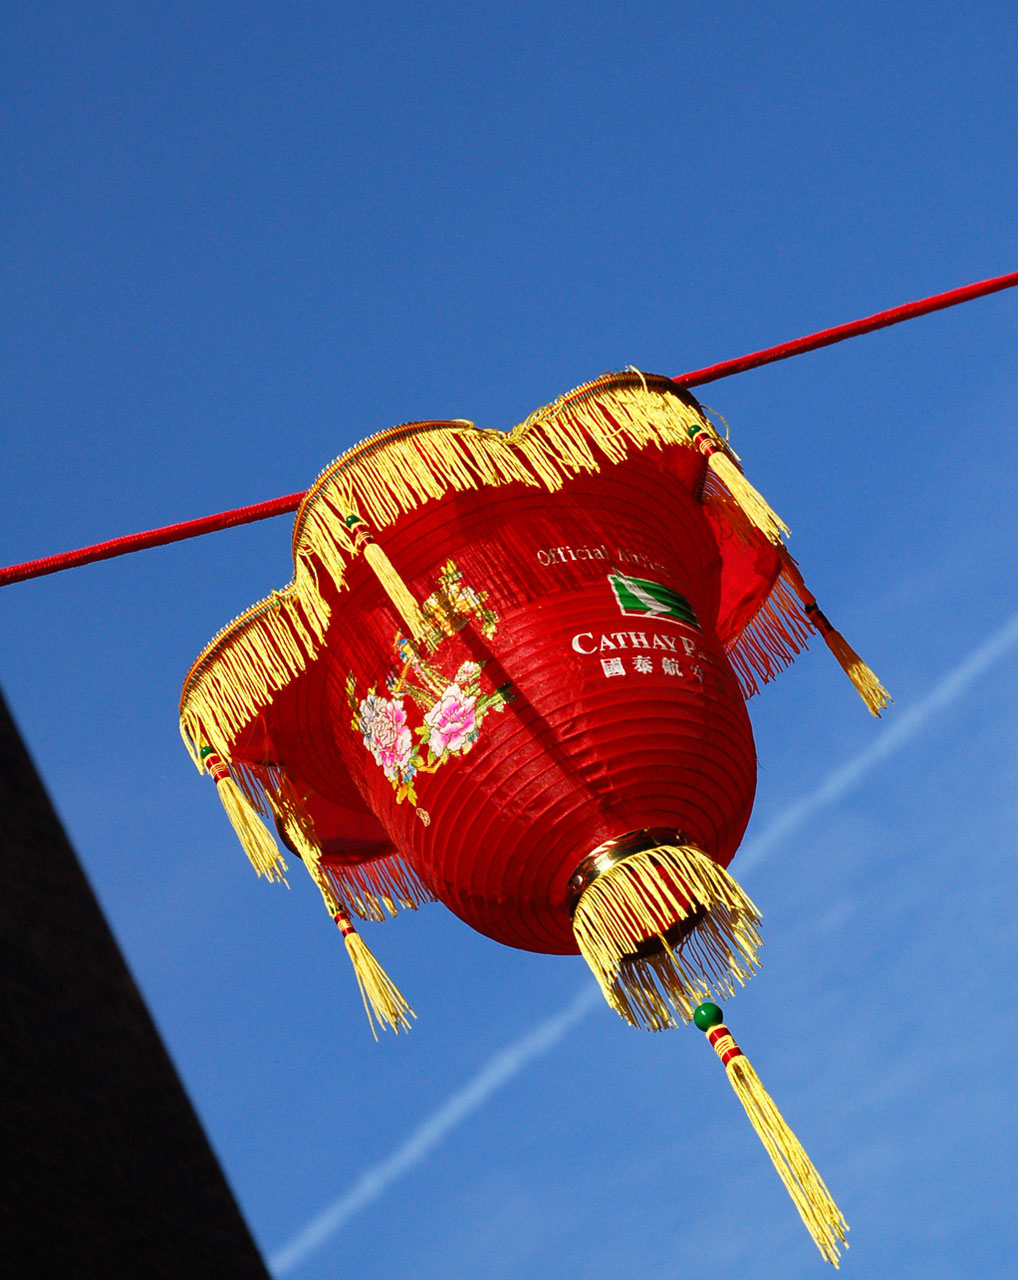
{"points": [[562, 555]]}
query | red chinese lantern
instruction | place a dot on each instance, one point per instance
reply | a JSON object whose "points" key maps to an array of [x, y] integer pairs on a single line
{"points": [[510, 674]]}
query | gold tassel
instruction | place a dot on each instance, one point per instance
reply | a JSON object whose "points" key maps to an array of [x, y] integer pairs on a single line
{"points": [[867, 685], [258, 844], [295, 821], [754, 506], [822, 1217], [382, 1000], [385, 571], [662, 927]]}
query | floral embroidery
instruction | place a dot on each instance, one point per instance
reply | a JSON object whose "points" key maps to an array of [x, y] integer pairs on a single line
{"points": [[383, 723], [455, 705], [451, 605], [452, 722]]}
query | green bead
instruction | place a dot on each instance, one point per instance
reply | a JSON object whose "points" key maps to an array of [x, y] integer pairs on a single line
{"points": [[708, 1015], [206, 752]]}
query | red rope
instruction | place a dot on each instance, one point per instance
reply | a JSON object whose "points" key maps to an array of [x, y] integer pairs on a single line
{"points": [[150, 538], [277, 506], [827, 337]]}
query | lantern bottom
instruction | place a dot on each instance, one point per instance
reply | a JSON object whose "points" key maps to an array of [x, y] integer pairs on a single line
{"points": [[662, 926]]}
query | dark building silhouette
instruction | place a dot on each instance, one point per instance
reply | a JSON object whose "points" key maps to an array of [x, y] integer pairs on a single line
{"points": [[107, 1171]]}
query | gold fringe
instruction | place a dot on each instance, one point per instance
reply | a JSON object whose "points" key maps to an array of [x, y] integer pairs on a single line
{"points": [[778, 631], [642, 897], [382, 999], [866, 683], [821, 1216], [268, 647], [758, 511], [377, 889], [262, 851]]}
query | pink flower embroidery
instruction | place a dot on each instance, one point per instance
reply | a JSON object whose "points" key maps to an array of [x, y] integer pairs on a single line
{"points": [[386, 735], [453, 722]]}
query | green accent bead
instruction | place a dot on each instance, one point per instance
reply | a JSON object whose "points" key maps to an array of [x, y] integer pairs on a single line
{"points": [[206, 752], [708, 1015]]}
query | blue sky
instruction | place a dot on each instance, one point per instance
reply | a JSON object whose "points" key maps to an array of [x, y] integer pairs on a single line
{"points": [[239, 238]]}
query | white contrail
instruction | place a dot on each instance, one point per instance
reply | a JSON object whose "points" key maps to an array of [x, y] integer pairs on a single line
{"points": [[902, 727], [497, 1072], [504, 1066]]}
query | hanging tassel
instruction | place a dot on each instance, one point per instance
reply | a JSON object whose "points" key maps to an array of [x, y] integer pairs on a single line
{"points": [[257, 843], [817, 1209], [381, 998], [868, 686], [754, 506], [385, 571], [662, 927], [294, 823]]}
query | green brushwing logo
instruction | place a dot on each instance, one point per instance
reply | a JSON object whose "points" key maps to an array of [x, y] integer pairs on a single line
{"points": [[643, 598]]}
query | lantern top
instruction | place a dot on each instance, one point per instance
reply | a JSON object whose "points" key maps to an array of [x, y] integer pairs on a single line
{"points": [[394, 472]]}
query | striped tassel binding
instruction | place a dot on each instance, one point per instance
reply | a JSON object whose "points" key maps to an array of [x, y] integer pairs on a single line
{"points": [[261, 849]]}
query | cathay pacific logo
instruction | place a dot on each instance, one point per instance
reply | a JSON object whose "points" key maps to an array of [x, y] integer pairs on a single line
{"points": [[644, 598]]}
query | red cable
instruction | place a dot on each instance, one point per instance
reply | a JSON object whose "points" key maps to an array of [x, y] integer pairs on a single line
{"points": [[150, 538], [277, 506], [827, 337]]}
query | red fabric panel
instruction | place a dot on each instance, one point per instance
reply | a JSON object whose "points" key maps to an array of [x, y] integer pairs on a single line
{"points": [[749, 569], [579, 756]]}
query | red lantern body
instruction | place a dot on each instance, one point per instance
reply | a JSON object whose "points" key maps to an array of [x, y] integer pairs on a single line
{"points": [[576, 686], [619, 715]]}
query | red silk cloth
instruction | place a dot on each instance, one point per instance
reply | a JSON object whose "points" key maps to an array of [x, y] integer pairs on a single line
{"points": [[596, 712]]}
